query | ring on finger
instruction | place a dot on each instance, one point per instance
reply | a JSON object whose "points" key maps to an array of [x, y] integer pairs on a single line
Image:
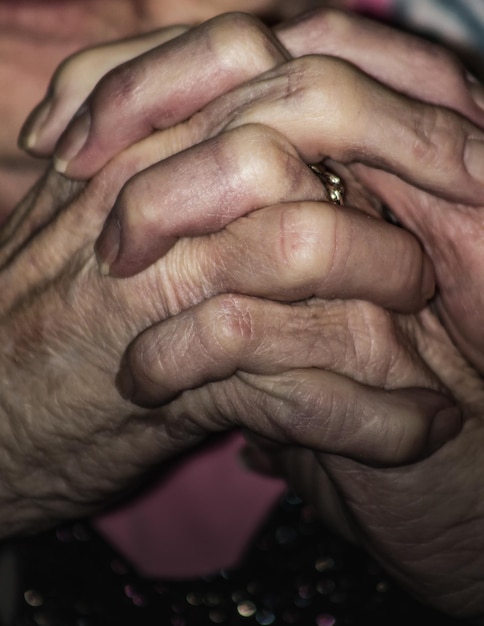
{"points": [[331, 182]]}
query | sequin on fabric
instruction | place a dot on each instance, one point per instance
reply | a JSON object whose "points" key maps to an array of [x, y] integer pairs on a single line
{"points": [[296, 573]]}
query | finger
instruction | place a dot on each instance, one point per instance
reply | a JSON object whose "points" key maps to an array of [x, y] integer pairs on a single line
{"points": [[358, 120], [288, 251], [230, 333], [295, 251], [328, 413], [204, 189], [164, 87], [371, 425], [326, 107], [322, 410], [415, 66], [73, 82]]}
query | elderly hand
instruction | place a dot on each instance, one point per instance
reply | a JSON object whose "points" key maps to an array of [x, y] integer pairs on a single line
{"points": [[70, 442], [435, 197], [398, 145], [423, 520]]}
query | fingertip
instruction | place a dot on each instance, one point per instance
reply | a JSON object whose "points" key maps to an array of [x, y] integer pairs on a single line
{"points": [[107, 245], [60, 165], [135, 256], [72, 142], [27, 139], [139, 389], [446, 425], [104, 268], [32, 137], [426, 420]]}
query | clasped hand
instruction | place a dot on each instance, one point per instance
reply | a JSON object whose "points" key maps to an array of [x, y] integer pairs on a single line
{"points": [[245, 297]]}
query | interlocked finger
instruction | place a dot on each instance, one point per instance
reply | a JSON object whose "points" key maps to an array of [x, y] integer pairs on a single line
{"points": [[74, 80], [242, 362], [165, 86]]}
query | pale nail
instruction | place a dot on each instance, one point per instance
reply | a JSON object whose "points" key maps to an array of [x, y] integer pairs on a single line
{"points": [[107, 245], [72, 142], [31, 133], [474, 159]]}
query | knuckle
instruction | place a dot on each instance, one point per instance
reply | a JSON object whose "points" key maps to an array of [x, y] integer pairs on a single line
{"points": [[332, 23], [301, 74], [68, 71], [143, 359], [376, 348], [436, 133], [238, 22], [372, 326], [292, 407], [228, 322], [134, 206], [325, 84], [241, 41], [317, 415], [118, 88], [425, 125], [327, 27], [85, 63], [273, 166], [374, 319], [306, 243]]}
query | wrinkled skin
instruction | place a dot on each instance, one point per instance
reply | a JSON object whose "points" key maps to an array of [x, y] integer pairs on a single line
{"points": [[32, 46], [84, 442], [424, 531]]}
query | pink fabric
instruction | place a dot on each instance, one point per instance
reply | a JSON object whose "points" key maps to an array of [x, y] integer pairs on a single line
{"points": [[197, 521]]}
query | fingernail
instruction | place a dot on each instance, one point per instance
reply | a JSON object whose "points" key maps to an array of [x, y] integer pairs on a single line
{"points": [[72, 142], [446, 425], [108, 244], [474, 158], [31, 134], [124, 381]]}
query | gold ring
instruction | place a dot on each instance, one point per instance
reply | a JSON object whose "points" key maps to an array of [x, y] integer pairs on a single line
{"points": [[331, 182]]}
